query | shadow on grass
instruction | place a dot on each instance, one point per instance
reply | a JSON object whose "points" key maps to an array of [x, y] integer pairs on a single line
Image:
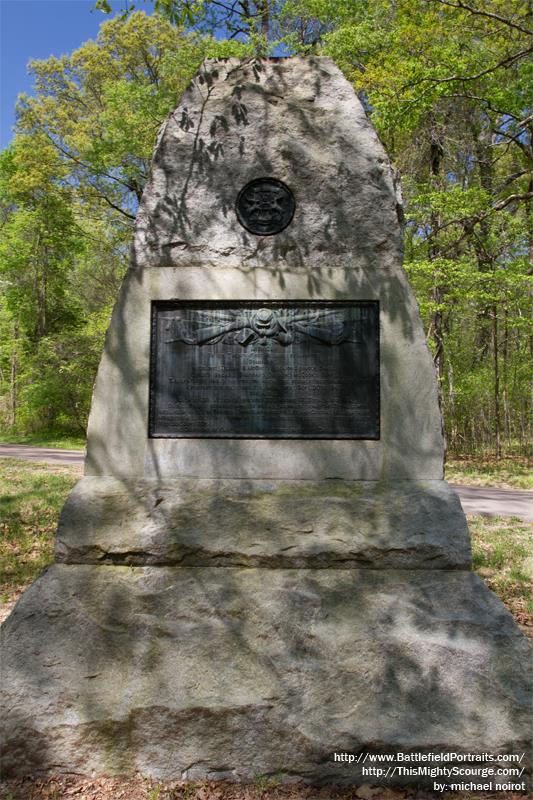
{"points": [[31, 497]]}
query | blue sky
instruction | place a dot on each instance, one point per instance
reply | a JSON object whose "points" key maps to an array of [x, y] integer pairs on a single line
{"points": [[37, 29]]}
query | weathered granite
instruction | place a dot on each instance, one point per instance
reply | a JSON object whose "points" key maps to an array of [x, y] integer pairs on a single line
{"points": [[300, 524], [222, 672], [298, 120], [199, 670], [294, 119]]}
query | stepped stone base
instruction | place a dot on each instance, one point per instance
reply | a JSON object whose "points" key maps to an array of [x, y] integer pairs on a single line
{"points": [[261, 523], [319, 602], [228, 672]]}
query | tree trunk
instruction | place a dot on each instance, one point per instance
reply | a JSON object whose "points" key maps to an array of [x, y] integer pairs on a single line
{"points": [[436, 154], [13, 380], [497, 419], [487, 318], [451, 407], [505, 379], [264, 13], [435, 160]]}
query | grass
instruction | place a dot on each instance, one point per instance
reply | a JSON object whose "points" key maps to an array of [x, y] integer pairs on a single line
{"points": [[31, 497], [512, 472], [32, 494], [502, 550], [57, 439]]}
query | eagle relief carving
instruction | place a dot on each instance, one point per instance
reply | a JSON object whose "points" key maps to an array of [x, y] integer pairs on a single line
{"points": [[256, 326]]}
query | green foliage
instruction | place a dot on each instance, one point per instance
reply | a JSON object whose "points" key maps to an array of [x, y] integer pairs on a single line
{"points": [[70, 184], [155, 792], [31, 497], [506, 473], [410, 56], [48, 437], [501, 550], [37, 247], [267, 783], [56, 393], [100, 107], [448, 87]]}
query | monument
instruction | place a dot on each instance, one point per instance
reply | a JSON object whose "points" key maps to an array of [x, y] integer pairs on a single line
{"points": [[263, 568]]}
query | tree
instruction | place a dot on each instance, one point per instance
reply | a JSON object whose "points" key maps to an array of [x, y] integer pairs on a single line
{"points": [[38, 250], [101, 106], [265, 25], [69, 188], [448, 86]]}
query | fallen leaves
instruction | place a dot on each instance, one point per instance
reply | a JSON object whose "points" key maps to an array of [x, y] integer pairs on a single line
{"points": [[64, 787], [366, 792]]}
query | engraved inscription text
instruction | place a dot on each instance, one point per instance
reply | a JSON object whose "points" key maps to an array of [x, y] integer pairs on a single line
{"points": [[265, 370]]}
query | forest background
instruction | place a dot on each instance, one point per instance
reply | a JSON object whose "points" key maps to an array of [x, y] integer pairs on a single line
{"points": [[448, 85]]}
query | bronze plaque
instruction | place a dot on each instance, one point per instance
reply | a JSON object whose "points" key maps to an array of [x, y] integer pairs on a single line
{"points": [[265, 206], [265, 370]]}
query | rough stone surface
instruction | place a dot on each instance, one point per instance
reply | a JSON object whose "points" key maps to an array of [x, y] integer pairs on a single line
{"points": [[264, 523], [300, 121], [265, 647], [241, 672], [411, 444], [297, 120]]}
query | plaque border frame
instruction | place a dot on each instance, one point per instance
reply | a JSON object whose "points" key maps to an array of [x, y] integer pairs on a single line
{"points": [[155, 305]]}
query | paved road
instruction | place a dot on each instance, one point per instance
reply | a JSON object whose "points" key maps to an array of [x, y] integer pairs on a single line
{"points": [[475, 499], [486, 501], [49, 454]]}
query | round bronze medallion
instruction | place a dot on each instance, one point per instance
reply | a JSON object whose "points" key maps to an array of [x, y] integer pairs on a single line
{"points": [[265, 206]]}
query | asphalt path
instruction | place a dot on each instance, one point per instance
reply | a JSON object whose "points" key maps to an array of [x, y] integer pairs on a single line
{"points": [[50, 455], [490, 502], [483, 500]]}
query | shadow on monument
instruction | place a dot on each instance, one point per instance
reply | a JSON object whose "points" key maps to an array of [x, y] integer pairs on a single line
{"points": [[253, 658], [259, 664]]}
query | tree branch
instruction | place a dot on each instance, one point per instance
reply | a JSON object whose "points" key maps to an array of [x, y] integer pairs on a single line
{"points": [[525, 121], [484, 100], [78, 161], [505, 62], [512, 178], [514, 140], [489, 14], [469, 223], [511, 199], [113, 205], [232, 10]]}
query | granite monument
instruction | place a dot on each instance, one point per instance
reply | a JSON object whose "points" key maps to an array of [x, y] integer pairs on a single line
{"points": [[263, 566]]}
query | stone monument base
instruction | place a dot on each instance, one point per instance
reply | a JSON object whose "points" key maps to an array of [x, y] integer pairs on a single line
{"points": [[224, 672], [264, 523], [231, 601]]}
